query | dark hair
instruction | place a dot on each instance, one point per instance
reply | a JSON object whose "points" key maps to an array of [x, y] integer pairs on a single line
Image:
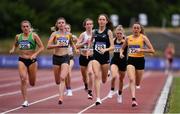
{"points": [[109, 23], [85, 20], [60, 18], [141, 26]]}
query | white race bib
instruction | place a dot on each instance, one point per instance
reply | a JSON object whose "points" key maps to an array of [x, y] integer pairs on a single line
{"points": [[117, 48], [24, 44], [63, 42], [133, 49], [99, 46]]}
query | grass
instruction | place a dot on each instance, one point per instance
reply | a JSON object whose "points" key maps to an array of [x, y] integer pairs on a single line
{"points": [[174, 98]]}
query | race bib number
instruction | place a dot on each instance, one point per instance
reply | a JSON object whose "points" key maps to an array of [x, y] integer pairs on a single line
{"points": [[99, 46], [117, 48], [24, 44], [133, 49], [63, 42]]}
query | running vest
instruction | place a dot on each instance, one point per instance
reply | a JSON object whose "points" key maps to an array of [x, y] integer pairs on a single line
{"points": [[70, 47], [117, 47], [101, 40], [28, 44], [62, 40], [133, 44], [85, 40]]}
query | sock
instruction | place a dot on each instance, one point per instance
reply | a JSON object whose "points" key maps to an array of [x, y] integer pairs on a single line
{"points": [[119, 92], [86, 86], [89, 91], [112, 89], [133, 99]]}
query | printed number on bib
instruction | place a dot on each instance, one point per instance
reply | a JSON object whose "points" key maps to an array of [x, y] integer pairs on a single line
{"points": [[133, 49], [99, 46], [24, 45], [63, 42], [117, 48]]}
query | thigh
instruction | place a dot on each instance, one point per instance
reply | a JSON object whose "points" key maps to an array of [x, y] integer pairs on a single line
{"points": [[122, 75], [114, 70], [22, 70], [64, 70], [90, 69], [96, 68], [139, 72], [83, 70], [32, 71], [131, 71], [105, 68], [57, 71]]}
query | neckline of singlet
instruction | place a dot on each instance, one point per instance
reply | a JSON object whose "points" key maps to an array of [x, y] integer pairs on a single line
{"points": [[65, 33], [102, 31], [26, 38]]}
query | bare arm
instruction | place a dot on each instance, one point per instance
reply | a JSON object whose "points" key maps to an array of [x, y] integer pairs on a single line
{"points": [[149, 48], [40, 45], [50, 44], [111, 41], [79, 43], [123, 47], [15, 45]]}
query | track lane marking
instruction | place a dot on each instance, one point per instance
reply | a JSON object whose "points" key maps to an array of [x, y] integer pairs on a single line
{"points": [[147, 74]]}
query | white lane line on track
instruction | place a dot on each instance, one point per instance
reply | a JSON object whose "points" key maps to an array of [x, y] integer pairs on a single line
{"points": [[34, 88], [53, 96], [18, 83], [161, 103], [87, 108], [41, 100], [82, 111]]}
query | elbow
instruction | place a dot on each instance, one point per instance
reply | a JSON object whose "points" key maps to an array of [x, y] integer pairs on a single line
{"points": [[42, 49], [48, 47], [112, 47], [153, 51]]}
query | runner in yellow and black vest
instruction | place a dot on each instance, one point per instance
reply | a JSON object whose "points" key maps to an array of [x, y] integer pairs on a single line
{"points": [[138, 44], [60, 41]]}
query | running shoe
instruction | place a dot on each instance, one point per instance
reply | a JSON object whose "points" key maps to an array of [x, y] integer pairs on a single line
{"points": [[25, 104], [90, 96], [98, 101], [119, 98], [134, 103], [138, 87], [110, 94], [69, 92], [60, 101]]}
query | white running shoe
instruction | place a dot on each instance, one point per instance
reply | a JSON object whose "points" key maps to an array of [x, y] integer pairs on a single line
{"points": [[98, 101], [110, 94], [69, 92], [25, 104], [138, 87], [119, 98], [90, 96]]}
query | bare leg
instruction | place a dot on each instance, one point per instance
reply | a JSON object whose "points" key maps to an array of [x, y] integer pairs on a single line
{"points": [[32, 73], [23, 76], [63, 75]]}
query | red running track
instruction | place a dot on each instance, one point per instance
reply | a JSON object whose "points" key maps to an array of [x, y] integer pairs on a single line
{"points": [[43, 97]]}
